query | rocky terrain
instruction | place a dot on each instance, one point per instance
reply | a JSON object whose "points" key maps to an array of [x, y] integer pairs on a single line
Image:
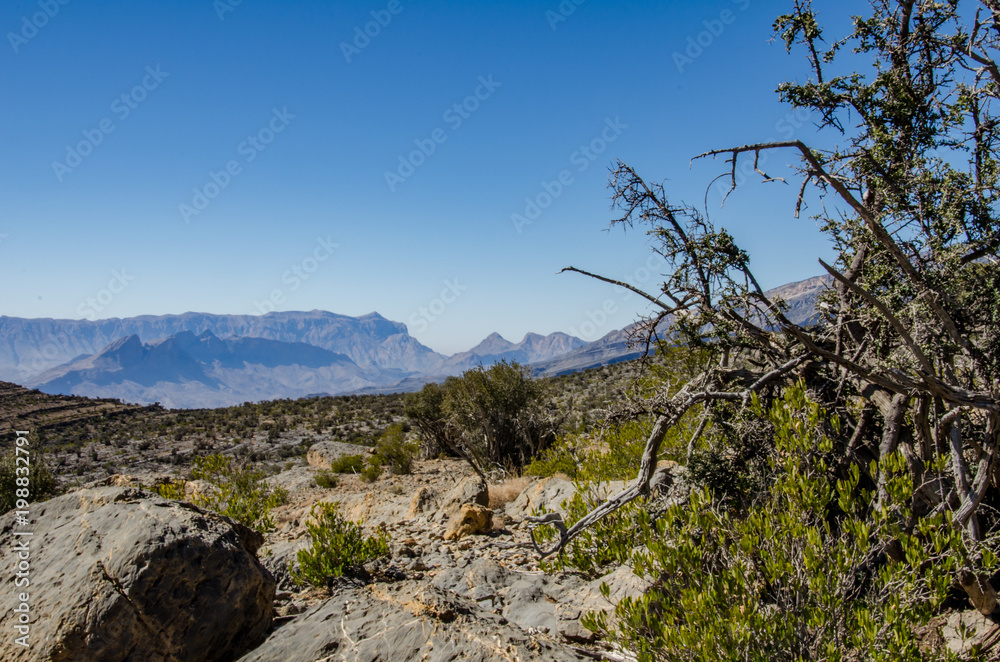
{"points": [[123, 574], [118, 572]]}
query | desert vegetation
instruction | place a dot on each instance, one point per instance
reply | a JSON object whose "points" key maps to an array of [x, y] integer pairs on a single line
{"points": [[787, 491]]}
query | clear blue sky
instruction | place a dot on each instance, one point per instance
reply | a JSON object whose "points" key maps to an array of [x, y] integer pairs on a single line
{"points": [[151, 99]]}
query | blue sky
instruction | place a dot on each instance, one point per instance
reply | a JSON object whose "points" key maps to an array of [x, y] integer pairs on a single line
{"points": [[232, 157]]}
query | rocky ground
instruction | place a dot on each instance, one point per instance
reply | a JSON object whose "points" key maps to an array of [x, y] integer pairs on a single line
{"points": [[492, 566], [119, 573]]}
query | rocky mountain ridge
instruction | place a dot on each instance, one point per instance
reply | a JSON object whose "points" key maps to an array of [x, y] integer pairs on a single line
{"points": [[199, 360]]}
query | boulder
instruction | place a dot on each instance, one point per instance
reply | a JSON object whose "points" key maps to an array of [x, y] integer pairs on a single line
{"points": [[422, 502], [471, 489], [295, 479], [547, 493], [117, 573], [322, 453], [403, 622], [469, 520], [483, 581]]}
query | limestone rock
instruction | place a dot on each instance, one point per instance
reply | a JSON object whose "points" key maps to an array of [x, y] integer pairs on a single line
{"points": [[422, 502], [548, 493], [121, 574], [471, 489], [469, 520], [404, 621], [295, 479], [322, 453], [962, 631]]}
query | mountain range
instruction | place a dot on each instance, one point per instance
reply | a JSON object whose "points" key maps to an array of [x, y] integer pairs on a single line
{"points": [[205, 360]]}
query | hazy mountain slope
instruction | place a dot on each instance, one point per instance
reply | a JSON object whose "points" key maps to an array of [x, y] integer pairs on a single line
{"points": [[532, 349], [614, 347], [28, 347], [204, 371]]}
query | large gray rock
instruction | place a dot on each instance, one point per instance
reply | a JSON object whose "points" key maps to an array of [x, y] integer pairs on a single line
{"points": [[121, 574], [322, 453], [548, 494], [401, 622], [548, 603], [295, 479]]}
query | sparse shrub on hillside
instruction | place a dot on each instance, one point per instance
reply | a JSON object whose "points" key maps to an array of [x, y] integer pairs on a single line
{"points": [[33, 482], [238, 491], [499, 410], [338, 546], [325, 479], [348, 464], [559, 458], [394, 450], [425, 410], [492, 417], [372, 470]]}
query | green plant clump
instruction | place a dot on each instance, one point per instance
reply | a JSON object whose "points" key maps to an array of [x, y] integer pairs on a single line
{"points": [[236, 491], [338, 547], [325, 479], [395, 451], [34, 480], [348, 464], [372, 470]]}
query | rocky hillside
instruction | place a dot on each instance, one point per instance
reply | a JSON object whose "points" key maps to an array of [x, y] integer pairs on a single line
{"points": [[24, 409]]}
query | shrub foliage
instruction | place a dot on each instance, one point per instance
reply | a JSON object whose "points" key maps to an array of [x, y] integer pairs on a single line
{"points": [[339, 547]]}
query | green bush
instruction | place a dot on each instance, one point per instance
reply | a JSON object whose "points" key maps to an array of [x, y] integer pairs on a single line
{"points": [[348, 464], [36, 478], [394, 450], [338, 545], [803, 573], [425, 410], [372, 470], [236, 491], [558, 458], [325, 479]]}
